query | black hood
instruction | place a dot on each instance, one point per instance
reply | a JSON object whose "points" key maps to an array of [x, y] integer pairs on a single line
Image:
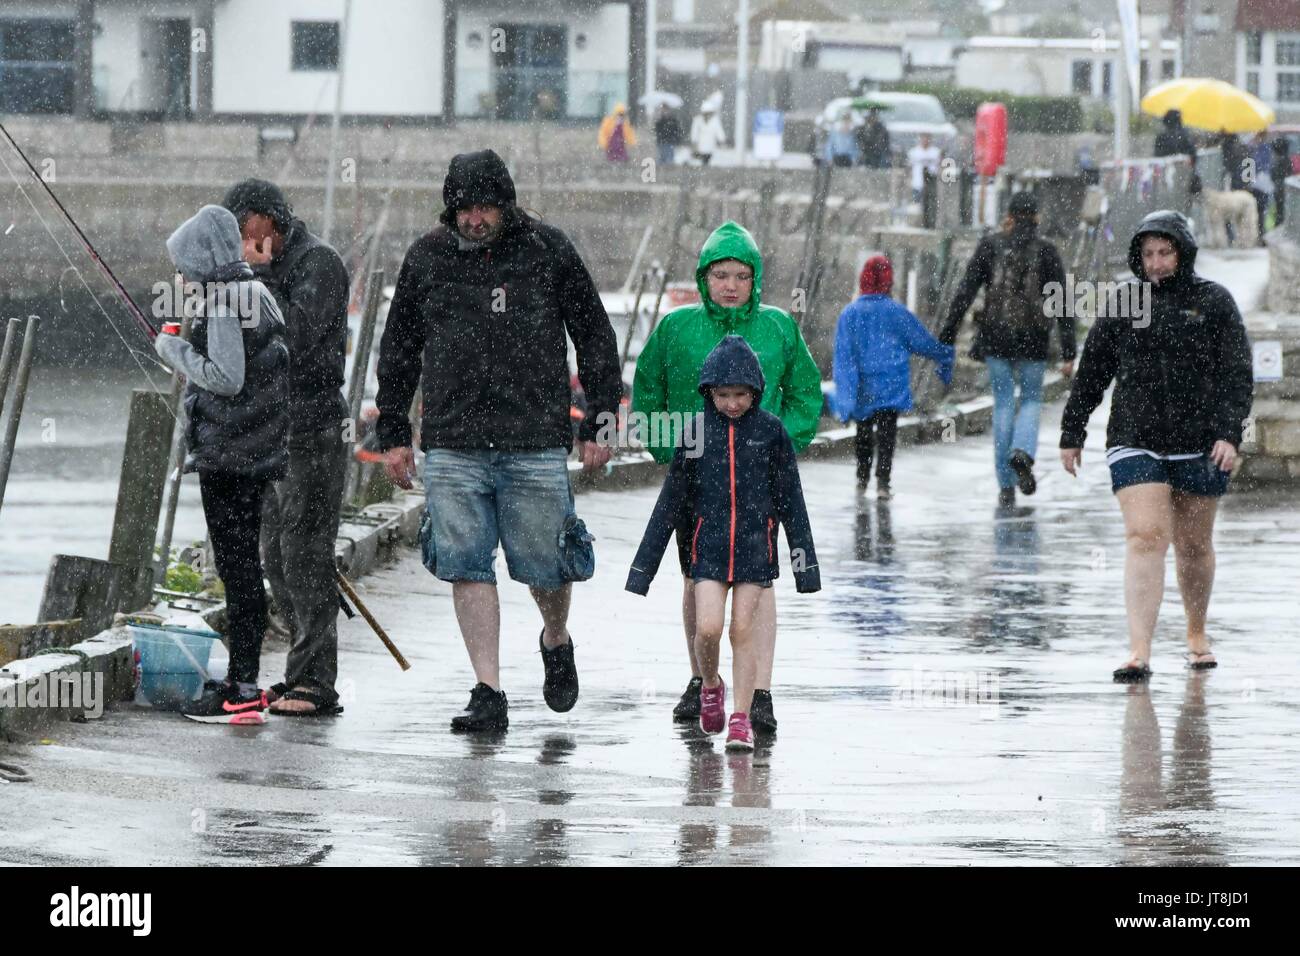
{"points": [[1173, 226], [1173, 119], [479, 178], [260, 196], [732, 362]]}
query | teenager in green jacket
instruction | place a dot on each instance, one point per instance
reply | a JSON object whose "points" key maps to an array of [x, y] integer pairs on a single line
{"points": [[665, 395]]}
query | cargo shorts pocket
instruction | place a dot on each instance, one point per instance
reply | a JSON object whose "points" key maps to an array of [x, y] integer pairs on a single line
{"points": [[577, 557], [428, 552]]}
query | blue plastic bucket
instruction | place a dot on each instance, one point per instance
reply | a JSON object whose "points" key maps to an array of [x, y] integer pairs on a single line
{"points": [[173, 662]]}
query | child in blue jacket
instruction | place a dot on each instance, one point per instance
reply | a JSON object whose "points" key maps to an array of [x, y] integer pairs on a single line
{"points": [[728, 498], [875, 338]]}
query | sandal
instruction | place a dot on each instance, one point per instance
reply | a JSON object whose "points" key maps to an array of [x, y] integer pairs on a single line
{"points": [[325, 706], [275, 692], [1195, 663], [1129, 674]]}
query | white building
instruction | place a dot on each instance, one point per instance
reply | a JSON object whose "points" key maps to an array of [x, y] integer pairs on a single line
{"points": [[1268, 52], [1064, 67], [405, 59]]}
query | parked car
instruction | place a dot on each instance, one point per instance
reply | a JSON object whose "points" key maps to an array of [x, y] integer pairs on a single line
{"points": [[908, 116]]}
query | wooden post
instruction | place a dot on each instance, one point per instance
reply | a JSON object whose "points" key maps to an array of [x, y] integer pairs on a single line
{"points": [[93, 590], [176, 459], [140, 487], [20, 396], [361, 367]]}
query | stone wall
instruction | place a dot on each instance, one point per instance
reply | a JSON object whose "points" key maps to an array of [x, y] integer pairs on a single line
{"points": [[1272, 437]]}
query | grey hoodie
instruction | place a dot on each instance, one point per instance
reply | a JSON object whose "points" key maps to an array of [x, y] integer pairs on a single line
{"points": [[207, 249], [236, 363]]}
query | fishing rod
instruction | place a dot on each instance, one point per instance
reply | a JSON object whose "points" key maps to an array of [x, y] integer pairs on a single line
{"points": [[140, 319]]}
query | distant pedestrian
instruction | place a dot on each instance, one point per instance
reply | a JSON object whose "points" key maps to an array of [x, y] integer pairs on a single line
{"points": [[923, 159], [873, 143], [1281, 170], [730, 496], [616, 135], [1261, 184], [1183, 388], [707, 133], [874, 340], [1016, 269], [668, 134], [842, 143], [236, 366], [300, 519]]}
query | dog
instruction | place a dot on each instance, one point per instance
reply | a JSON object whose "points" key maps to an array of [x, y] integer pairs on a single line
{"points": [[1236, 207]]}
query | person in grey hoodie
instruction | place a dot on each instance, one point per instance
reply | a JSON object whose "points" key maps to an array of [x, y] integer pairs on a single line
{"points": [[236, 365]]}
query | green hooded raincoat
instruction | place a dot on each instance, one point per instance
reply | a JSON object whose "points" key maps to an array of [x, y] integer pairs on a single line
{"points": [[668, 369]]}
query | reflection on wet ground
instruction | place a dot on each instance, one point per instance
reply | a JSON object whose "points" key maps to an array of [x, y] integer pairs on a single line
{"points": [[946, 699]]}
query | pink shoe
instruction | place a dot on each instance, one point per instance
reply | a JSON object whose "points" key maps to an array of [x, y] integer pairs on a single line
{"points": [[740, 735], [713, 708]]}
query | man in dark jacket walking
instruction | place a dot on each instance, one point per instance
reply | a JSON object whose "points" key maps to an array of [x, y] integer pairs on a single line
{"points": [[301, 518], [481, 310], [1016, 269]]}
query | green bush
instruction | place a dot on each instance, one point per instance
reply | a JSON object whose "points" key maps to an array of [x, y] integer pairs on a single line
{"points": [[1025, 114]]}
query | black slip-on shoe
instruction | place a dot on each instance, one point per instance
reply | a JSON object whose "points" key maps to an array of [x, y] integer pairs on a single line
{"points": [[560, 688], [487, 710]]}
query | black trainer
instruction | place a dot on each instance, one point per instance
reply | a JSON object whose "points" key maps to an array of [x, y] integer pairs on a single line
{"points": [[560, 688], [1023, 466], [688, 708], [487, 710], [1006, 497], [761, 716]]}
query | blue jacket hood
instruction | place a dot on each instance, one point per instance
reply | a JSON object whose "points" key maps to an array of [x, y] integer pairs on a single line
{"points": [[732, 362]]}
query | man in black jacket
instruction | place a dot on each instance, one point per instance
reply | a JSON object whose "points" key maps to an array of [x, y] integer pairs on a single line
{"points": [[300, 521], [1017, 270], [1183, 390], [479, 316], [873, 142]]}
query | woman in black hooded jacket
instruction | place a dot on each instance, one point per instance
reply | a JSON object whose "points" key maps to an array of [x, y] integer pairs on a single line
{"points": [[1182, 369]]}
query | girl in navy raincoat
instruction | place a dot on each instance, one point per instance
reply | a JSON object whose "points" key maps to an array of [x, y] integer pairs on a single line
{"points": [[875, 338], [728, 494]]}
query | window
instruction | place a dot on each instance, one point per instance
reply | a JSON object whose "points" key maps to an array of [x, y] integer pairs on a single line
{"points": [[1081, 77], [37, 66], [1254, 46], [1166, 70], [1288, 87], [316, 45], [1252, 82], [1287, 52], [1105, 78]]}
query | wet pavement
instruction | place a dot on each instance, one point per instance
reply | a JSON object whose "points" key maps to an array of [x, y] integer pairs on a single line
{"points": [[945, 699]]}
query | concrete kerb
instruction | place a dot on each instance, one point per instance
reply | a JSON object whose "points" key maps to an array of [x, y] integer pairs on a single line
{"points": [[108, 653]]}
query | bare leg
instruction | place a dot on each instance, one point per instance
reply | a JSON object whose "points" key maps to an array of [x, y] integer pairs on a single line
{"points": [[1194, 554], [688, 623], [745, 602], [764, 638], [478, 612], [710, 613], [1148, 528], [554, 606]]}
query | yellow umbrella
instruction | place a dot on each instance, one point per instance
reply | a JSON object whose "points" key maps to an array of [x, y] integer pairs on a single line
{"points": [[1210, 105]]}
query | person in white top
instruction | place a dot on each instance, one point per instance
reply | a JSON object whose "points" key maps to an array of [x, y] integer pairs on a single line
{"points": [[922, 158], [707, 133]]}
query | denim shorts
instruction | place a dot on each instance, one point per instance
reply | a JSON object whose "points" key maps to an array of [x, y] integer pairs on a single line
{"points": [[1195, 476], [479, 497]]}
